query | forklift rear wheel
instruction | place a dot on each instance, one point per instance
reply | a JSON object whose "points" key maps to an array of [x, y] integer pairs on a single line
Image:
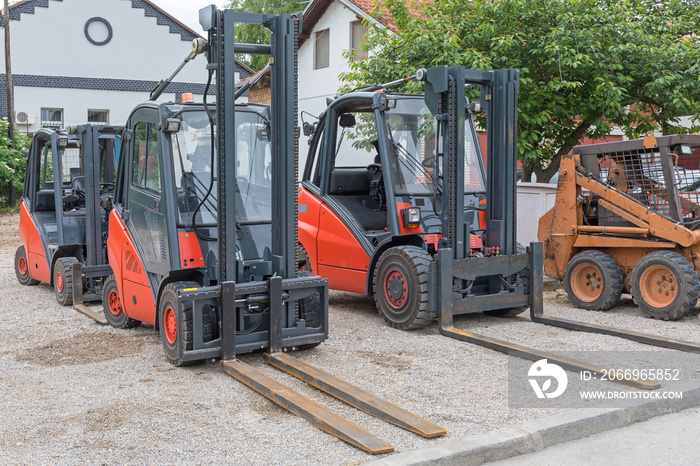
{"points": [[401, 287], [173, 340], [22, 268], [112, 306], [665, 285], [63, 280], [593, 281]]}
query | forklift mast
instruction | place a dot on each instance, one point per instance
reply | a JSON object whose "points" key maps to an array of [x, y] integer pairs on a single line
{"points": [[99, 172], [283, 52], [445, 96]]}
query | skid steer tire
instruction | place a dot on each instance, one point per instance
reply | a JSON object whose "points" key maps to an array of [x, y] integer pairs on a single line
{"points": [[401, 287], [167, 322], [22, 268], [63, 280], [112, 306], [593, 281], [665, 285]]}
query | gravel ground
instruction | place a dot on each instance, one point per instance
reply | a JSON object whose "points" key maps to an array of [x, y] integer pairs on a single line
{"points": [[75, 392]]}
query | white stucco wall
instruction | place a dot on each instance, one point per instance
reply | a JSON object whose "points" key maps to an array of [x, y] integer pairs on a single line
{"points": [[119, 104], [316, 85], [52, 42]]}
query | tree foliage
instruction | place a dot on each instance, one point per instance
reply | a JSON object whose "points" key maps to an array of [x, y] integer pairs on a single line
{"points": [[12, 161], [256, 34], [585, 66]]}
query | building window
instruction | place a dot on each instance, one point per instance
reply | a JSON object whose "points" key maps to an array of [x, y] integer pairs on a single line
{"points": [[98, 116], [322, 49], [357, 37], [52, 118]]}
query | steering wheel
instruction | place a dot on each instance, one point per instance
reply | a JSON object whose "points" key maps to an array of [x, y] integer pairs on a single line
{"points": [[429, 162], [374, 167]]}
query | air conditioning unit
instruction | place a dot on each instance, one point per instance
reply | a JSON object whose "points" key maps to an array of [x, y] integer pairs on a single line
{"points": [[24, 118]]}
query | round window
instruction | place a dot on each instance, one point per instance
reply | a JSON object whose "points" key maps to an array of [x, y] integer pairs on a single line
{"points": [[98, 31]]}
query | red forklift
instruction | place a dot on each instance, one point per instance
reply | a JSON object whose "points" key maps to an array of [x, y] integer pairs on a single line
{"points": [[67, 197], [382, 193], [202, 236]]}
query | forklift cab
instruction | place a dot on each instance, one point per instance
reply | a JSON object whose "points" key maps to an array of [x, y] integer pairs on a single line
{"points": [[373, 172], [67, 195], [167, 201]]}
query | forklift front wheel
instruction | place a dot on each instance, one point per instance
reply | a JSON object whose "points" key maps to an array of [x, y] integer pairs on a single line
{"points": [[593, 281], [112, 306], [173, 338], [22, 268], [63, 280], [401, 287]]}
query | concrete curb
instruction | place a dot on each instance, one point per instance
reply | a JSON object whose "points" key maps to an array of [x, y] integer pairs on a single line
{"points": [[542, 433]]}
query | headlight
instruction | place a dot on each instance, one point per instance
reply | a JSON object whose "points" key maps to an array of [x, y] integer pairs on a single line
{"points": [[411, 217], [172, 125]]}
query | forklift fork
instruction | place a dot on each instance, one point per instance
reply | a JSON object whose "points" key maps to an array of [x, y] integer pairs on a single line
{"points": [[78, 296], [537, 315], [302, 406], [447, 327]]}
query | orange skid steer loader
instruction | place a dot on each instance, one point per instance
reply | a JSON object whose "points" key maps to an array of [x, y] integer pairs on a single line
{"points": [[627, 218]]}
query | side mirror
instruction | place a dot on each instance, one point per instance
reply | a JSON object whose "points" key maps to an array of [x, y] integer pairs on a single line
{"points": [[475, 108], [347, 120], [309, 129]]}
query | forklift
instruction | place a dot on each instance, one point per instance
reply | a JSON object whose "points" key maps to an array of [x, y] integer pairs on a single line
{"points": [[67, 197], [202, 236]]}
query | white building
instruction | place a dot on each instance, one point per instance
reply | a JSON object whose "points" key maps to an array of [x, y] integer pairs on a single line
{"points": [[330, 28], [78, 61]]}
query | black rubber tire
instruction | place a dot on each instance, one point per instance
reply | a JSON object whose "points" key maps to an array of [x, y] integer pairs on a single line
{"points": [[403, 272], [111, 306], [507, 312], [63, 280], [684, 277], [512, 311], [23, 278], [310, 308], [303, 261], [172, 344], [605, 281]]}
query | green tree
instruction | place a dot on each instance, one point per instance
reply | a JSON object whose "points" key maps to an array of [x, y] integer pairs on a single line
{"points": [[12, 161], [256, 34], [585, 65]]}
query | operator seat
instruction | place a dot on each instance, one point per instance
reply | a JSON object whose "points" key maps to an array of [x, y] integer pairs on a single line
{"points": [[376, 185]]}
